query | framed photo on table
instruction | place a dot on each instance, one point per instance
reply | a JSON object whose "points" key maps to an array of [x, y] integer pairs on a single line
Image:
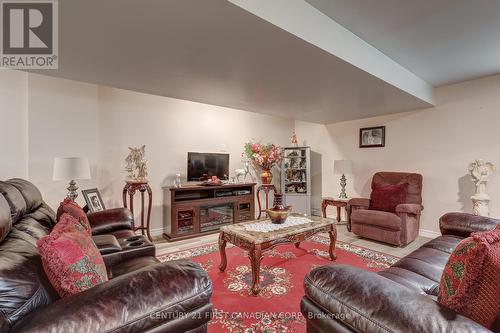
{"points": [[372, 137], [93, 199]]}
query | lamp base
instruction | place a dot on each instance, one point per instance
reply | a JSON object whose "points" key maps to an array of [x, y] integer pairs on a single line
{"points": [[72, 188], [343, 183]]}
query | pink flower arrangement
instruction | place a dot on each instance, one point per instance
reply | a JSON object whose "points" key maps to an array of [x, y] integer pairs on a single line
{"points": [[263, 156]]}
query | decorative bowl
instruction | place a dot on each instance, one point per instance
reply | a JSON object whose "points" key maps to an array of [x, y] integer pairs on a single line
{"points": [[279, 216], [212, 183]]}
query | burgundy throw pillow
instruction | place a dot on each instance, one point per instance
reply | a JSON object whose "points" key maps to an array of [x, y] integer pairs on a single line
{"points": [[471, 278], [73, 209], [68, 223], [387, 197], [72, 262]]}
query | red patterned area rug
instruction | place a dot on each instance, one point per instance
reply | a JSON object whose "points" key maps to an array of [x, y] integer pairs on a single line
{"points": [[277, 308]]}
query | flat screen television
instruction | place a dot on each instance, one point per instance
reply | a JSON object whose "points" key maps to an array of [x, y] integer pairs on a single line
{"points": [[202, 166]]}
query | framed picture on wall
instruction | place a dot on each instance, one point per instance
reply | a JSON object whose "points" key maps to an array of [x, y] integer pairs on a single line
{"points": [[370, 137], [93, 199]]}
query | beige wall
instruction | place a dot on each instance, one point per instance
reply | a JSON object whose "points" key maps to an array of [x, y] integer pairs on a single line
{"points": [[170, 128], [13, 124], [62, 123], [438, 142]]}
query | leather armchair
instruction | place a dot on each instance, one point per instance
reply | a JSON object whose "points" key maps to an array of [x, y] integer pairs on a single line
{"points": [[399, 227], [401, 298], [118, 222], [142, 294], [462, 225]]}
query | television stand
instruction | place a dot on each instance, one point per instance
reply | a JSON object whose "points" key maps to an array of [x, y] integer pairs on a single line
{"points": [[195, 210]]}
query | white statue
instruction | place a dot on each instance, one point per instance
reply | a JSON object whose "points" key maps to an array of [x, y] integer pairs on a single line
{"points": [[243, 172], [135, 164], [480, 172], [238, 173]]}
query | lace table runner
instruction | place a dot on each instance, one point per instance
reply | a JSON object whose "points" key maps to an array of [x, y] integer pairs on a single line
{"points": [[267, 225]]}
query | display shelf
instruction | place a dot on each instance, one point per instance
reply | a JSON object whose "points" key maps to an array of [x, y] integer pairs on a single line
{"points": [[296, 178]]}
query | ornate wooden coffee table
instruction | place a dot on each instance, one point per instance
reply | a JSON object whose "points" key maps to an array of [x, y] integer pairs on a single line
{"points": [[256, 242]]}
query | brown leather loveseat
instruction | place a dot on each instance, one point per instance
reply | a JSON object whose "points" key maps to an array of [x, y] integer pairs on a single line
{"points": [[401, 298], [142, 294]]}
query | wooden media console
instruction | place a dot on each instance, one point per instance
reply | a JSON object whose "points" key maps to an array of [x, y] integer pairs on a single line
{"points": [[194, 210]]}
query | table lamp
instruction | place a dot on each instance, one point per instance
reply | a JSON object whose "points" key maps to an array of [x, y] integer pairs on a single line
{"points": [[71, 168], [342, 167]]}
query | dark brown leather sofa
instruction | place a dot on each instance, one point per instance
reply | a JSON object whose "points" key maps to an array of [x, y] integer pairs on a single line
{"points": [[142, 294], [402, 298]]}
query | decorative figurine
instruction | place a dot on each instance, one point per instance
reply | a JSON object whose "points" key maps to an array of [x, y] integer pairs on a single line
{"points": [[177, 180], [243, 172], [239, 173], [294, 139], [136, 164], [247, 171], [480, 171]]}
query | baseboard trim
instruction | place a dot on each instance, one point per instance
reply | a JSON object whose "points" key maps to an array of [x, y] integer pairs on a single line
{"points": [[428, 233], [157, 232]]}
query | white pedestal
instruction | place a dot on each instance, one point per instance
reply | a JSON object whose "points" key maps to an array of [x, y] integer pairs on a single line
{"points": [[481, 204]]}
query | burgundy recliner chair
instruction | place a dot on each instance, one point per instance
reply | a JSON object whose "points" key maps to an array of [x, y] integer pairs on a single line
{"points": [[399, 227]]}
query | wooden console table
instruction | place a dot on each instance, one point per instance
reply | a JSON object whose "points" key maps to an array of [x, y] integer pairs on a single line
{"points": [[337, 202], [266, 188], [130, 188], [195, 210], [258, 242]]}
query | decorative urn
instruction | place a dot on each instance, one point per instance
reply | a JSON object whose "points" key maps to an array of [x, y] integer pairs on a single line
{"points": [[279, 213]]}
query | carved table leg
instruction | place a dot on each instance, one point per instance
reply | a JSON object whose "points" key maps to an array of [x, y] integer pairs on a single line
{"points": [[142, 211], [323, 208], [267, 198], [222, 250], [124, 196], [150, 206], [131, 200], [255, 256], [258, 202], [348, 214], [338, 213], [333, 239]]}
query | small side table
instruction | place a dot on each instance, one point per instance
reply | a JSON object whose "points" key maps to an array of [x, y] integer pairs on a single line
{"points": [[337, 202], [142, 186], [266, 188]]}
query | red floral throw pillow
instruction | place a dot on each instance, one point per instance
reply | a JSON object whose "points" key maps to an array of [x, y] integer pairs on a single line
{"points": [[471, 278], [387, 197], [73, 209], [68, 223], [72, 262]]}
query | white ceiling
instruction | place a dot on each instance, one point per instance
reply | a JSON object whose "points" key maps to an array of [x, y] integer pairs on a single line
{"points": [[441, 41], [214, 52]]}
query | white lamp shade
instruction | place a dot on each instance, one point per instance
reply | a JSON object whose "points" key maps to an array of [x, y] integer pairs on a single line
{"points": [[342, 167], [70, 168]]}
